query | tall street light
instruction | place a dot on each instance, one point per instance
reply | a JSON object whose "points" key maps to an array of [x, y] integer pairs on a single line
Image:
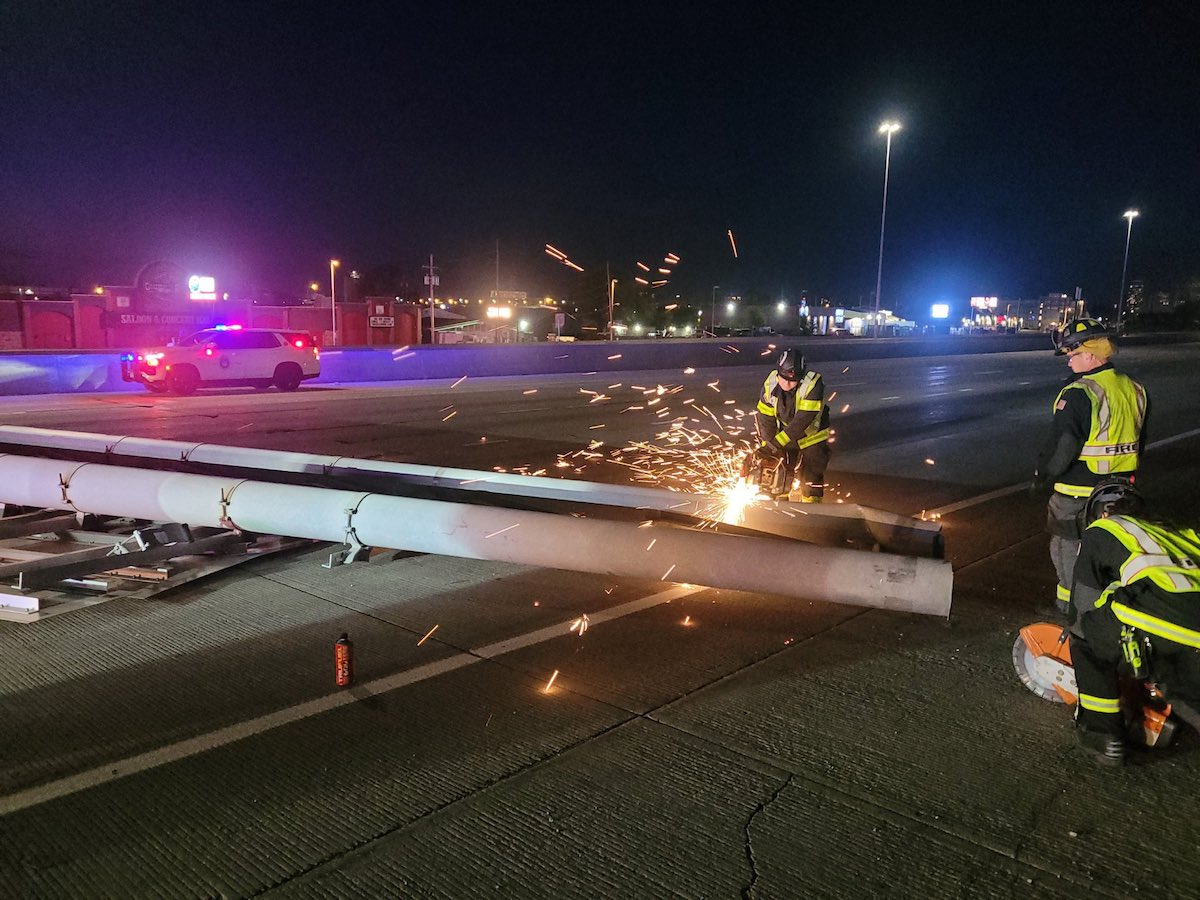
{"points": [[612, 288], [333, 264], [1129, 214], [888, 128], [712, 319]]}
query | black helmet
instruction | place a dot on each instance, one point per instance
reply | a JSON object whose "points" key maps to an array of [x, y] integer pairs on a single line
{"points": [[1075, 333], [1106, 494], [790, 362]]}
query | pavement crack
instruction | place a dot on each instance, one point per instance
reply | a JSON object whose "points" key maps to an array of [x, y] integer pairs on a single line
{"points": [[748, 890]]}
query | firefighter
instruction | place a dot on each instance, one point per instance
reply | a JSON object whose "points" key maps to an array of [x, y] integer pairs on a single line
{"points": [[1136, 598], [1098, 429], [792, 420]]}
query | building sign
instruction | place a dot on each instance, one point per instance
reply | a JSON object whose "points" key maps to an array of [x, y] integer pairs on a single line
{"points": [[159, 285], [383, 321], [202, 287], [116, 320], [984, 302]]}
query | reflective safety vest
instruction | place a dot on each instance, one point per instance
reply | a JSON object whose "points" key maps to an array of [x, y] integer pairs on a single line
{"points": [[1118, 413], [1169, 561], [768, 405]]}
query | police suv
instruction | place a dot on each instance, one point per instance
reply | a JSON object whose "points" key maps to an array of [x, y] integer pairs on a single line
{"points": [[226, 356]]}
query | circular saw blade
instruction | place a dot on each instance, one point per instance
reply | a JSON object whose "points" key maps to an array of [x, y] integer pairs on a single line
{"points": [[1044, 675]]}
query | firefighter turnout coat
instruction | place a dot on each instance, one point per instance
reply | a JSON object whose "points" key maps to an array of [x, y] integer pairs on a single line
{"points": [[795, 419]]}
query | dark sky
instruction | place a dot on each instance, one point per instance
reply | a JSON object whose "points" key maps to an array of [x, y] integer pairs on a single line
{"points": [[253, 141]]}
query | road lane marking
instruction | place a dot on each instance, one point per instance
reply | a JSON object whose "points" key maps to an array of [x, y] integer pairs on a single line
{"points": [[152, 759], [1024, 485]]}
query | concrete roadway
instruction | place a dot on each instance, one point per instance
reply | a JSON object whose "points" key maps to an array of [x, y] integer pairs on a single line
{"points": [[693, 743]]}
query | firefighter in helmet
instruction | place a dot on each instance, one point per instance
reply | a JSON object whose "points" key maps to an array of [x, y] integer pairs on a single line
{"points": [[1097, 430], [1135, 610], [792, 420]]}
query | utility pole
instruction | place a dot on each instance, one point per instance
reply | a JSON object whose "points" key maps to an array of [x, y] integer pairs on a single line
{"points": [[431, 279]]}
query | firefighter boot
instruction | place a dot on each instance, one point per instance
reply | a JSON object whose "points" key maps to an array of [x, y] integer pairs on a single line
{"points": [[1104, 747]]}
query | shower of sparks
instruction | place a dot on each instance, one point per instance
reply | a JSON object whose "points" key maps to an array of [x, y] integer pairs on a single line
{"points": [[732, 242], [562, 257], [687, 620], [457, 383], [582, 624], [428, 635], [651, 544], [616, 356], [689, 371], [929, 462], [451, 416], [530, 391], [550, 683], [502, 530], [668, 572]]}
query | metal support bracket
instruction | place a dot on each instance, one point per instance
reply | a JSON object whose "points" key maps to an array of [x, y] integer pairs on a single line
{"points": [[353, 548]]}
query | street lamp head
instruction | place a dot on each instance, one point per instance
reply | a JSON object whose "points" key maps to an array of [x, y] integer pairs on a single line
{"points": [[1130, 214], [335, 262], [889, 127]]}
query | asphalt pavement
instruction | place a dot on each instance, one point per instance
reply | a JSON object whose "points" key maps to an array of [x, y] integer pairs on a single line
{"points": [[686, 743]]}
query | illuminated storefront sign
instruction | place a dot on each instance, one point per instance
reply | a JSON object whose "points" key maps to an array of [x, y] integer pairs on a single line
{"points": [[202, 287]]}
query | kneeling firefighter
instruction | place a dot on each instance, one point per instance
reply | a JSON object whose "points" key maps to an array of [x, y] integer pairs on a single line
{"points": [[1135, 609], [792, 420]]}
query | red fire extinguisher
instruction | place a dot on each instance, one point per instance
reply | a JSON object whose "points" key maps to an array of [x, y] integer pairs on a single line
{"points": [[343, 661]]}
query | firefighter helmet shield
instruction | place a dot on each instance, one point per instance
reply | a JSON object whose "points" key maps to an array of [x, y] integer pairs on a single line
{"points": [[790, 362], [1075, 333], [1106, 494]]}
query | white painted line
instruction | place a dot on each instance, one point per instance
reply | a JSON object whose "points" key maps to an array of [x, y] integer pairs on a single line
{"points": [[152, 759], [1017, 488]]}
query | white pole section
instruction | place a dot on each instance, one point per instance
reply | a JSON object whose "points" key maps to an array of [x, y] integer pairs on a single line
{"points": [[831, 523], [619, 549]]}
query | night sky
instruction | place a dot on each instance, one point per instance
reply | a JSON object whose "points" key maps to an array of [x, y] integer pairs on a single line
{"points": [[253, 141]]}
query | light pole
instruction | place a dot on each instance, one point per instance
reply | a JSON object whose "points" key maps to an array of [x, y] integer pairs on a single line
{"points": [[888, 128], [612, 286], [333, 264], [712, 319], [1129, 214]]}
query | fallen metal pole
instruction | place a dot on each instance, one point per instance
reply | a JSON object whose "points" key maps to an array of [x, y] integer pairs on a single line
{"points": [[833, 524], [662, 552]]}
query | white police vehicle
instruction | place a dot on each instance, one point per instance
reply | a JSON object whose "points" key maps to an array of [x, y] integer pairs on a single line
{"points": [[226, 356]]}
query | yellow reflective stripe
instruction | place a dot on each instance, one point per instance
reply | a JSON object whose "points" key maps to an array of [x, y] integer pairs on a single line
{"points": [[1108, 450], [1063, 593], [1156, 626], [782, 439], [810, 439], [1092, 703], [1071, 490], [808, 405], [767, 409]]}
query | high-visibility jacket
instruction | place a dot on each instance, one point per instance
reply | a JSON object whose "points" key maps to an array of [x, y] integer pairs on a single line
{"points": [[796, 418], [1155, 576], [1099, 418]]}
